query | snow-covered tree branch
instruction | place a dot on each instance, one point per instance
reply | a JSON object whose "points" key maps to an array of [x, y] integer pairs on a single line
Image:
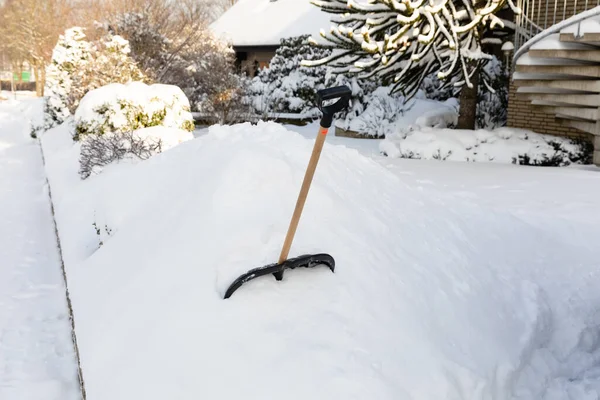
{"points": [[403, 41]]}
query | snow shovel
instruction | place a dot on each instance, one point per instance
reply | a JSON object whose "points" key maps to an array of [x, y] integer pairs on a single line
{"points": [[325, 96]]}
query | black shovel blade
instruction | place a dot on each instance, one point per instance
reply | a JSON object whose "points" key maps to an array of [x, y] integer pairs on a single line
{"points": [[305, 261]]}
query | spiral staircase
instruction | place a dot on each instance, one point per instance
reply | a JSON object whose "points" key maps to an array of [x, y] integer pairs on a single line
{"points": [[557, 69]]}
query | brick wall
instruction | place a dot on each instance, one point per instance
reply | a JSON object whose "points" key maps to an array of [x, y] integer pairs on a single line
{"points": [[521, 114]]}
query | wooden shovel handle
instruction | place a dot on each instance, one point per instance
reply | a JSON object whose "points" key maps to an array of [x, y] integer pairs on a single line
{"points": [[308, 176]]}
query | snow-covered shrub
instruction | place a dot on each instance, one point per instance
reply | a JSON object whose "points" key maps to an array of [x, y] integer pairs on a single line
{"points": [[504, 145], [385, 113], [492, 106], [111, 63], [434, 89], [69, 59], [126, 107], [199, 63], [362, 91], [78, 66], [150, 48], [379, 116], [97, 151], [227, 102], [286, 86]]}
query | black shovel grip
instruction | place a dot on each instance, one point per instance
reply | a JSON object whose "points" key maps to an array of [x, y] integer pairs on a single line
{"points": [[343, 93]]}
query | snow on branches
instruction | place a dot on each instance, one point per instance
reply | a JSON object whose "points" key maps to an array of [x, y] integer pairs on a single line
{"points": [[403, 41]]}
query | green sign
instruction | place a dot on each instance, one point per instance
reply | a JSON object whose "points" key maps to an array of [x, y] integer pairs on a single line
{"points": [[25, 76]]}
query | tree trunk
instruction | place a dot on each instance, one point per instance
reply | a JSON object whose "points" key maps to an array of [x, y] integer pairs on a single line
{"points": [[12, 84], [43, 79], [468, 104], [36, 74]]}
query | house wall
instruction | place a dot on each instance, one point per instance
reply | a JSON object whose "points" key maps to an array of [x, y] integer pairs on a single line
{"points": [[247, 60], [521, 114]]}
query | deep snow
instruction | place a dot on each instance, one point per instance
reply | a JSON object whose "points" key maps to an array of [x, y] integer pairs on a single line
{"points": [[453, 280], [37, 360], [503, 145]]}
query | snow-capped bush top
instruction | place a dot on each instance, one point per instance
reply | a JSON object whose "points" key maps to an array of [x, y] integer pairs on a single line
{"points": [[125, 107], [69, 56], [286, 86], [78, 66]]}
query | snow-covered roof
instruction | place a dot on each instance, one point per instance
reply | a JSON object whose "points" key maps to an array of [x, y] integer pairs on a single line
{"points": [[266, 22]]}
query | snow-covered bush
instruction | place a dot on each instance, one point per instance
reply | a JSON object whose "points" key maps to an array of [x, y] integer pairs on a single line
{"points": [[69, 59], [379, 116], [78, 66], [434, 88], [362, 91], [117, 108], [286, 86], [197, 62], [97, 151], [492, 105], [385, 113], [504, 145], [227, 102], [150, 48], [110, 63]]}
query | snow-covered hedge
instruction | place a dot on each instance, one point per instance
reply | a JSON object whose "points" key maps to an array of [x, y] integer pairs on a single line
{"points": [[504, 145], [118, 108]]}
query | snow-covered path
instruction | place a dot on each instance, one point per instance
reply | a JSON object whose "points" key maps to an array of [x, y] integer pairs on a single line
{"points": [[37, 359]]}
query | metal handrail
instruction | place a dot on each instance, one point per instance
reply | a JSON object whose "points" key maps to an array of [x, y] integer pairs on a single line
{"points": [[575, 19], [533, 19]]}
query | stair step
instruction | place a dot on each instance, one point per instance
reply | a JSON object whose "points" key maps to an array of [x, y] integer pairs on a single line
{"points": [[586, 114], [585, 100], [591, 55], [569, 70], [591, 38], [589, 127], [591, 85]]}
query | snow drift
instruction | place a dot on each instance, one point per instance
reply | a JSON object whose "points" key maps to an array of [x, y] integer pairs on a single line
{"points": [[503, 145], [434, 296]]}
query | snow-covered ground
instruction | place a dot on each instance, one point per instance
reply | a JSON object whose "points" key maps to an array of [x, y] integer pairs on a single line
{"points": [[453, 280], [37, 359]]}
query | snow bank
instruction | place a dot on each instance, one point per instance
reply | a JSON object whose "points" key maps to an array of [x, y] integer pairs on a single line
{"points": [[124, 107], [424, 303], [168, 137], [503, 145], [387, 115], [98, 151]]}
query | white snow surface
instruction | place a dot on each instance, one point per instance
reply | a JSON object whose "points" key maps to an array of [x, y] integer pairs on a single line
{"points": [[588, 25], [37, 359], [266, 22], [501, 145], [169, 137], [451, 282]]}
